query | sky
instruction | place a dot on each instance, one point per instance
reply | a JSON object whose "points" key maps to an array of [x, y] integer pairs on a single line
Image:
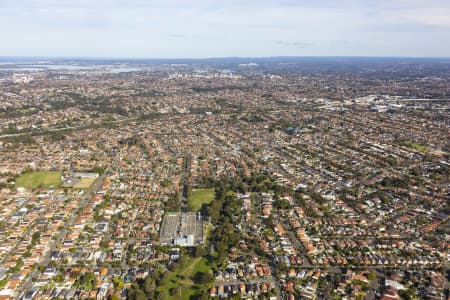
{"points": [[224, 28]]}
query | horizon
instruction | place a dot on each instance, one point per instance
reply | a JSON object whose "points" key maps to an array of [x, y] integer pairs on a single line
{"points": [[33, 57]]}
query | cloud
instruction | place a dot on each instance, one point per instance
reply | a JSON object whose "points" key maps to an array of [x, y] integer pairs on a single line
{"points": [[295, 44]]}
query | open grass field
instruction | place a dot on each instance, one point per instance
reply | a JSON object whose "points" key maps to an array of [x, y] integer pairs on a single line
{"points": [[39, 179], [416, 146], [198, 197], [181, 278], [439, 153], [84, 183]]}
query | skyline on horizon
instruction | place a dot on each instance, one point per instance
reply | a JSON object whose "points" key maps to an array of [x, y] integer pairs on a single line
{"points": [[140, 29]]}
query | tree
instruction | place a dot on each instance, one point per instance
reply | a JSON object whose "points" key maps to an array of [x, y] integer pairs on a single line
{"points": [[140, 295], [201, 295], [161, 295], [200, 251], [149, 286], [203, 278], [86, 280], [372, 276], [173, 292], [3, 282], [408, 294], [18, 266], [135, 293], [98, 170], [104, 243], [118, 283], [173, 203]]}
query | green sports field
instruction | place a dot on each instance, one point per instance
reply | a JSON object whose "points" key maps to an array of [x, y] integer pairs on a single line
{"points": [[39, 179], [198, 197]]}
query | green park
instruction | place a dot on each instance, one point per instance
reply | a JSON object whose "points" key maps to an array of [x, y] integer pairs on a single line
{"points": [[39, 179]]}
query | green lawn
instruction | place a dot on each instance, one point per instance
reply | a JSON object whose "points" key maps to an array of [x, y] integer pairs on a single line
{"points": [[39, 179], [419, 147], [415, 146], [84, 183], [199, 266], [200, 196], [181, 279]]}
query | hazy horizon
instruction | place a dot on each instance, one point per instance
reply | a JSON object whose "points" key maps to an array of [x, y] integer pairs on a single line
{"points": [[124, 58]]}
